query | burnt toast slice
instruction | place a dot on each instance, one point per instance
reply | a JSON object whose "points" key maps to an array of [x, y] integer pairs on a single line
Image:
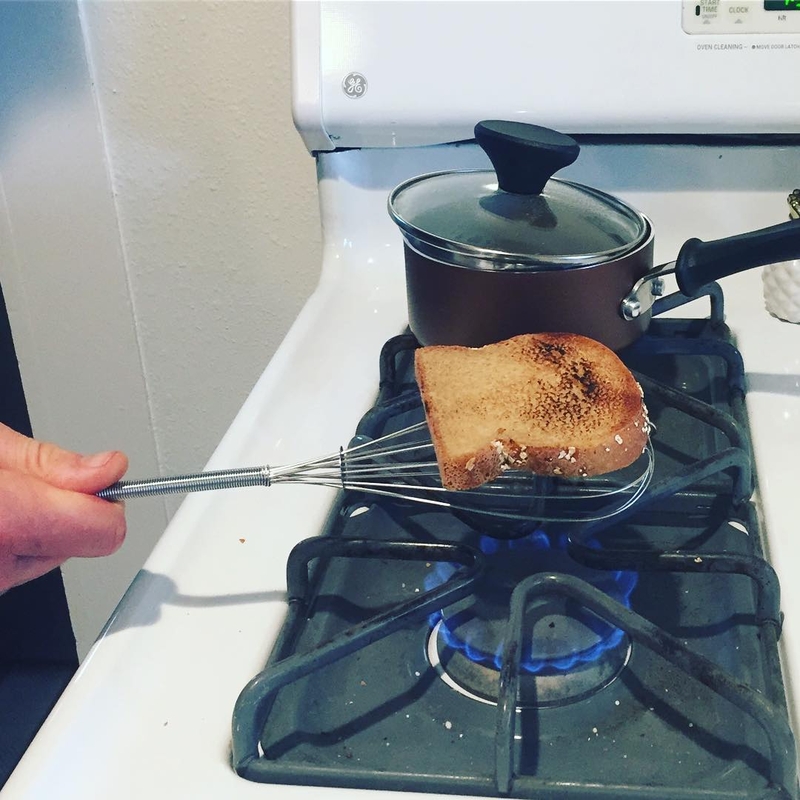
{"points": [[557, 404]]}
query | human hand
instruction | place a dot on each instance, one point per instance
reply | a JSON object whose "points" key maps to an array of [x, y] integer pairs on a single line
{"points": [[47, 509]]}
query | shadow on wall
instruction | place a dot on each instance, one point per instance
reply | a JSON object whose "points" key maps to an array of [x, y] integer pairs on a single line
{"points": [[41, 57]]}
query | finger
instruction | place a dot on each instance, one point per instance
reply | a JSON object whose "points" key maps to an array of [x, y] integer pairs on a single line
{"points": [[60, 467], [37, 519]]}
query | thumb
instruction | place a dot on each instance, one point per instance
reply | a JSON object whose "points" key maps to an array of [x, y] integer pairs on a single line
{"points": [[59, 467]]}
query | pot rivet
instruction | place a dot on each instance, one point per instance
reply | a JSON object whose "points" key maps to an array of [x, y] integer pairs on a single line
{"points": [[631, 309]]}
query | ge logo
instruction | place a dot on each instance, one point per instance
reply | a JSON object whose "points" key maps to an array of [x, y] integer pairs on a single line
{"points": [[354, 85]]}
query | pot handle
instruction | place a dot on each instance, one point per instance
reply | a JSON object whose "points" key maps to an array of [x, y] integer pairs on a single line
{"points": [[524, 156], [699, 263]]}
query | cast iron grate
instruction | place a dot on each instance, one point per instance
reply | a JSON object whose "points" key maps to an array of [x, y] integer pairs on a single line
{"points": [[350, 699]]}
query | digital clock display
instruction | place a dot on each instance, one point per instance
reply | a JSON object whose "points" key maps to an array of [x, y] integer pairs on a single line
{"points": [[782, 5]]}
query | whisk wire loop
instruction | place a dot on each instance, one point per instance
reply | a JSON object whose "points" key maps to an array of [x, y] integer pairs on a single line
{"points": [[401, 465]]}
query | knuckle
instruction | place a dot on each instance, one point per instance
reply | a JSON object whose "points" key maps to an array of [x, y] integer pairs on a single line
{"points": [[35, 460]]}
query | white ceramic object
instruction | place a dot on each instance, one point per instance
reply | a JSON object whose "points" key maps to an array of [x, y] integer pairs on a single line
{"points": [[782, 290], [782, 281]]}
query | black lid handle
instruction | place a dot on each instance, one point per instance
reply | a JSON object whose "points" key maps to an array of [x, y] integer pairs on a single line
{"points": [[524, 156]]}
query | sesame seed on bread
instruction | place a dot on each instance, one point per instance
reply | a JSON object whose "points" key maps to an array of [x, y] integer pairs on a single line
{"points": [[557, 404]]}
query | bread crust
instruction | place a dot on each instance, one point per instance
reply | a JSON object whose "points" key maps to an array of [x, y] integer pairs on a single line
{"points": [[557, 404]]}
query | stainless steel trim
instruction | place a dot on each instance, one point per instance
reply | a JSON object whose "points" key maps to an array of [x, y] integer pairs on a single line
{"points": [[458, 254], [641, 297]]}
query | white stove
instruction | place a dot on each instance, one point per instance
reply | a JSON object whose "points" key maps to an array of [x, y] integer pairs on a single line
{"points": [[149, 713]]}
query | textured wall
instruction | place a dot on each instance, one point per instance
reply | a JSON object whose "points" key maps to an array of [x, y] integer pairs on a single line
{"points": [[158, 233], [215, 196]]}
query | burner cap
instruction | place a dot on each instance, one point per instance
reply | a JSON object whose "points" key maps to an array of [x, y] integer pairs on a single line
{"points": [[548, 687]]}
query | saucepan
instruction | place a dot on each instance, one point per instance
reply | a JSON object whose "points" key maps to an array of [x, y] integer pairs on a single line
{"points": [[492, 254]]}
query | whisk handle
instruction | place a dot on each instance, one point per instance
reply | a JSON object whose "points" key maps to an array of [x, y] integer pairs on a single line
{"points": [[181, 484]]}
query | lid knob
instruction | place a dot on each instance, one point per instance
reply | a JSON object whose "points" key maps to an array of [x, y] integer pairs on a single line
{"points": [[524, 156]]}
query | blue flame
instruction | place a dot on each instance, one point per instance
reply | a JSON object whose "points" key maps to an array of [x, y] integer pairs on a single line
{"points": [[537, 552]]}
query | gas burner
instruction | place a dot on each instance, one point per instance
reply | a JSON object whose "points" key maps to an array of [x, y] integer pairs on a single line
{"points": [[548, 687], [568, 652]]}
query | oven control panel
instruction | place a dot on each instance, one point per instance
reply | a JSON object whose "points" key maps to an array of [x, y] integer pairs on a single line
{"points": [[741, 16], [410, 73]]}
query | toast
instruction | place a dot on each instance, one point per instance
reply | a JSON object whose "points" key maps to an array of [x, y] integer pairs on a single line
{"points": [[557, 404]]}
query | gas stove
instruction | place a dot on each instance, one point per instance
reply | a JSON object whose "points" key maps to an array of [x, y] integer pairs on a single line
{"points": [[678, 613], [634, 654], [159, 689]]}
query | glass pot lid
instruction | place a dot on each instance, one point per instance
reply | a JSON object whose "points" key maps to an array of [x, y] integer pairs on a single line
{"points": [[516, 217]]}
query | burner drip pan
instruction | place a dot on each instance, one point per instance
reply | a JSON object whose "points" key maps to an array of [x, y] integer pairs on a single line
{"points": [[545, 688]]}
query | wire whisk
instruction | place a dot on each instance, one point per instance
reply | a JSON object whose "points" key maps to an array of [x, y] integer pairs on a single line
{"points": [[402, 465]]}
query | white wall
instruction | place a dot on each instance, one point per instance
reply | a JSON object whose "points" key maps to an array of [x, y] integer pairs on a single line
{"points": [[158, 233]]}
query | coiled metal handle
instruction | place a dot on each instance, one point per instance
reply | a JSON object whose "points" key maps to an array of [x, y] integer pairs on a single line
{"points": [[181, 484]]}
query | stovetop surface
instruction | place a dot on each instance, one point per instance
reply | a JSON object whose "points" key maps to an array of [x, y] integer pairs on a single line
{"points": [[386, 715], [387, 711]]}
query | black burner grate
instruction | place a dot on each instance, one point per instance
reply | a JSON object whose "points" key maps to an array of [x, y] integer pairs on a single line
{"points": [[352, 697]]}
